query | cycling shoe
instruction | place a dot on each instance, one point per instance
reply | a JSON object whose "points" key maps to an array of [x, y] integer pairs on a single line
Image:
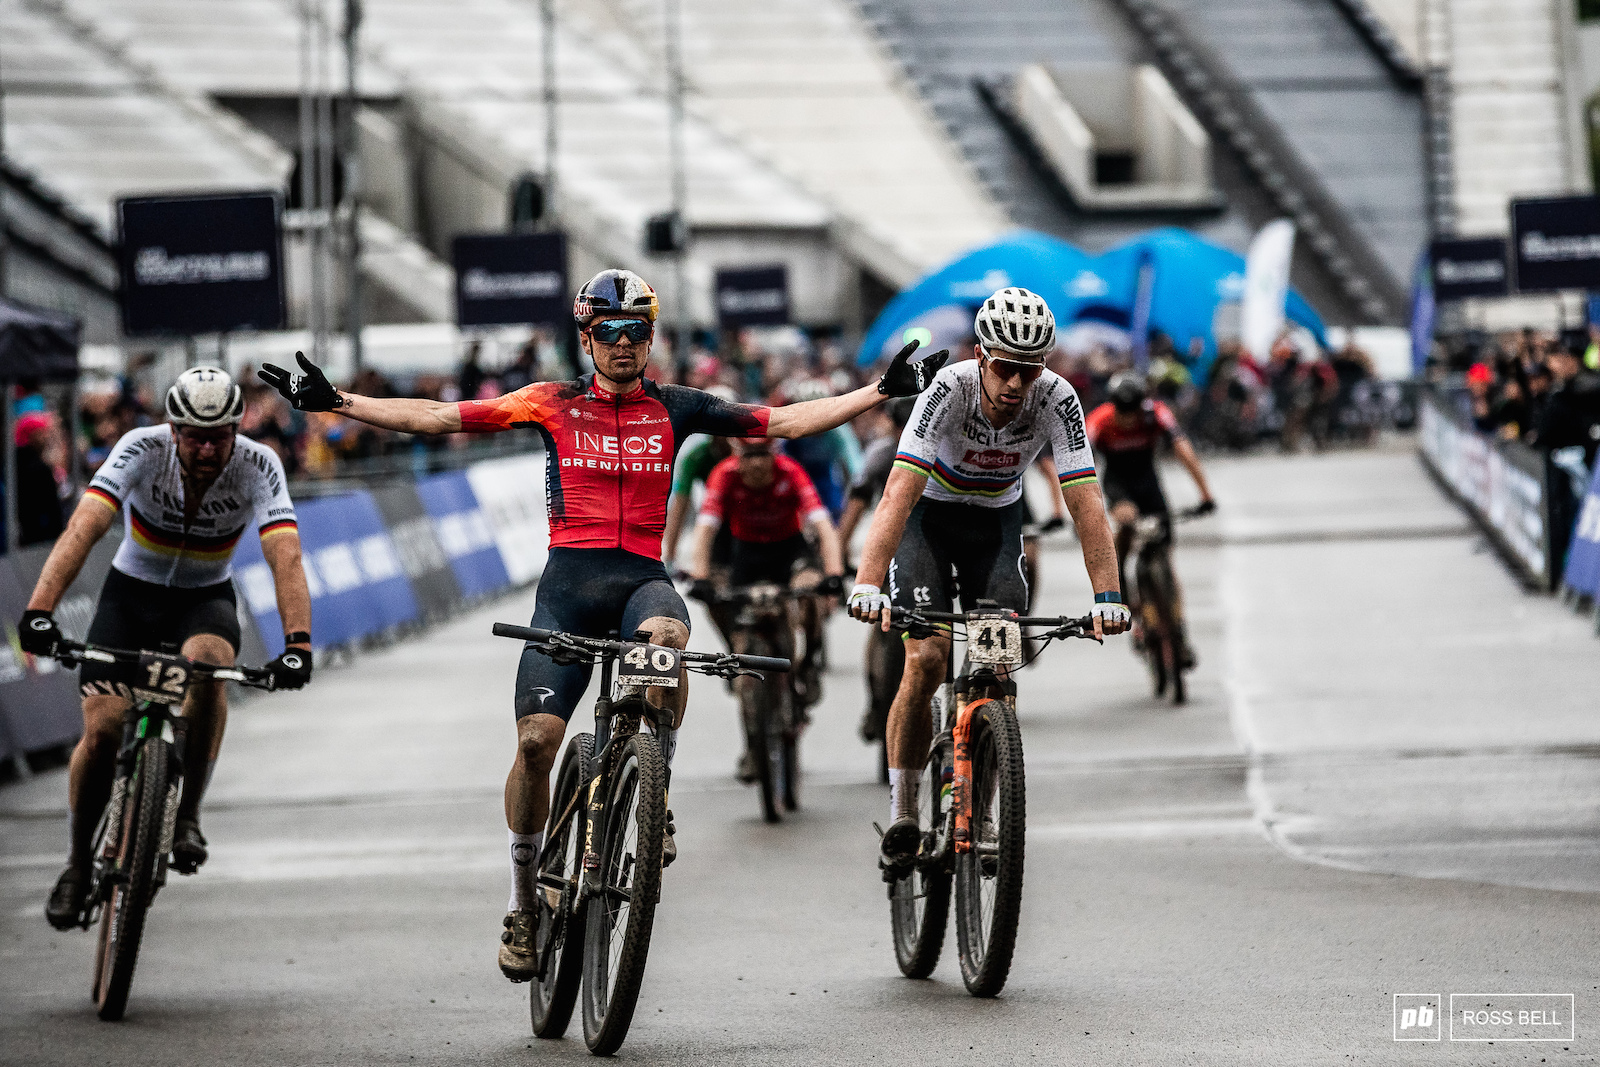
{"points": [[899, 848], [69, 899], [188, 846], [519, 956]]}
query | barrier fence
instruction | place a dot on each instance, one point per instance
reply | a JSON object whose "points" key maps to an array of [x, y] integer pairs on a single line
{"points": [[410, 552]]}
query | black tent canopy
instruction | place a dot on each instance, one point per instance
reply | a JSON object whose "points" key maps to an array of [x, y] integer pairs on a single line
{"points": [[35, 343]]}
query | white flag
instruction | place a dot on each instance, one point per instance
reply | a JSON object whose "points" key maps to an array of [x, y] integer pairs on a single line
{"points": [[1266, 286]]}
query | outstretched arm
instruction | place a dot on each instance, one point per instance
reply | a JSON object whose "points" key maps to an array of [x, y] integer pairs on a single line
{"points": [[815, 416], [313, 392], [1191, 463]]}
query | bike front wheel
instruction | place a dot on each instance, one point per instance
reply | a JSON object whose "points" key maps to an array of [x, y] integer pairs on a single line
{"points": [[618, 917], [132, 877], [988, 876], [560, 937], [919, 903]]}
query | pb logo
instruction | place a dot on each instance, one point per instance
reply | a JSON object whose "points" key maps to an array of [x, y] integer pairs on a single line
{"points": [[1416, 1017], [1411, 1017]]}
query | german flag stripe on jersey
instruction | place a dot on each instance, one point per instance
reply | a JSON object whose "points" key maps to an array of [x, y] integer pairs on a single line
{"points": [[147, 536], [277, 527], [1081, 477], [94, 492]]}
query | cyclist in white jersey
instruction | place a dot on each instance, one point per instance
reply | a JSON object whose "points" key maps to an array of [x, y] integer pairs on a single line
{"points": [[951, 517], [188, 491]]}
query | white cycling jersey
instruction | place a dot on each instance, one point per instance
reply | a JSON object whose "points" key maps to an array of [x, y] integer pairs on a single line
{"points": [[143, 479], [968, 461]]}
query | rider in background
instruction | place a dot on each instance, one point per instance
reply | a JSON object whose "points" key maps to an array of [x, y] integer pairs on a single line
{"points": [[767, 502], [700, 454], [1126, 430], [188, 489], [832, 459]]}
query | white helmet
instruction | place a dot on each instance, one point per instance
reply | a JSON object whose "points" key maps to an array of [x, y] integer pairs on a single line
{"points": [[204, 396], [1017, 321]]}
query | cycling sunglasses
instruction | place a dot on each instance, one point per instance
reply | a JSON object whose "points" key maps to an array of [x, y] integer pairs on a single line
{"points": [[1009, 368], [611, 331]]}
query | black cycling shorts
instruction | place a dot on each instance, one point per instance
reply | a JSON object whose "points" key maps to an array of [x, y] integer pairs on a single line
{"points": [[1141, 488], [143, 616], [959, 550], [769, 561], [593, 592]]}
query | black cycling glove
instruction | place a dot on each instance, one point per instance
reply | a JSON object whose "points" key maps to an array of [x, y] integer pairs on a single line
{"points": [[313, 392], [703, 590], [1205, 507], [905, 378], [292, 670], [38, 633]]}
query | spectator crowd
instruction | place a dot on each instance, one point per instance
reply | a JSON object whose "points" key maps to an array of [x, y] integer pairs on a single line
{"points": [[1539, 388]]}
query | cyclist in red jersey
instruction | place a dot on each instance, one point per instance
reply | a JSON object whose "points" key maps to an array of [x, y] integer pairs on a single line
{"points": [[610, 441], [1126, 430]]}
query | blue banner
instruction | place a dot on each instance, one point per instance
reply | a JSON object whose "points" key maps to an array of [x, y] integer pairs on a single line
{"points": [[358, 585], [1583, 554], [464, 533]]}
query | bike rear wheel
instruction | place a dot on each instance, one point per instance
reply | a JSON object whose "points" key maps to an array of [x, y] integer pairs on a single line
{"points": [[764, 736], [619, 917], [988, 877], [133, 878], [919, 904], [561, 919]]}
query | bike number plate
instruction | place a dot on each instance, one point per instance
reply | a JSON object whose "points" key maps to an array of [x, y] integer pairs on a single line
{"points": [[649, 665], [997, 641], [160, 679]]}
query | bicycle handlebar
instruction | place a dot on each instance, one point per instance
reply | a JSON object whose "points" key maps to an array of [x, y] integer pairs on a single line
{"points": [[74, 654], [1061, 626], [603, 647]]}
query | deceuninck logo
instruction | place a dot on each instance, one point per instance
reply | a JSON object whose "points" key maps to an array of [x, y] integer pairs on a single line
{"points": [[1417, 1016]]}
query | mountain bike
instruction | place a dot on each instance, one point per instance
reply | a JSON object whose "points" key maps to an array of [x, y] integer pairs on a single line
{"points": [[599, 872], [134, 838], [884, 663], [1162, 640], [972, 800]]}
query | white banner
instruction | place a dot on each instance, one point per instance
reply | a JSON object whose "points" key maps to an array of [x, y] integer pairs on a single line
{"points": [[1266, 287], [511, 494]]}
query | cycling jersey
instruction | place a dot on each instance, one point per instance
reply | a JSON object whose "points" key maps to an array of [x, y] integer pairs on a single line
{"points": [[143, 479], [609, 456], [968, 461], [695, 463], [775, 512], [822, 456], [1130, 448]]}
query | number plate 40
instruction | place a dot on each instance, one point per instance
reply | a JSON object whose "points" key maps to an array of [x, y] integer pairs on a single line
{"points": [[997, 641], [649, 665]]}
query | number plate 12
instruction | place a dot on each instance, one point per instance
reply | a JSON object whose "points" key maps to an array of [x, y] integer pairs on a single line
{"points": [[161, 679], [649, 665], [997, 641]]}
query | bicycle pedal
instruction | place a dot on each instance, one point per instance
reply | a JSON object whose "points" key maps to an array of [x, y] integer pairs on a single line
{"points": [[878, 828]]}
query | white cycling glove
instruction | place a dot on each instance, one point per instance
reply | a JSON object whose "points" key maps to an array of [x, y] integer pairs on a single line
{"points": [[865, 600], [1112, 613]]}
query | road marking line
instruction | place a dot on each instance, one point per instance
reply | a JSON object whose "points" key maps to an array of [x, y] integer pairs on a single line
{"points": [[1149, 829]]}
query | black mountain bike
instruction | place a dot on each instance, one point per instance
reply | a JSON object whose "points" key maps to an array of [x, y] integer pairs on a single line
{"points": [[134, 839], [599, 874], [972, 801], [1163, 640]]}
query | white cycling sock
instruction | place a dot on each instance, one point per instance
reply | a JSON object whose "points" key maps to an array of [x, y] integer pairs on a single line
{"points": [[903, 792], [524, 867]]}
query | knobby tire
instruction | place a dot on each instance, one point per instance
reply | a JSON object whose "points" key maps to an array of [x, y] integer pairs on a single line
{"points": [[122, 917], [919, 904], [986, 929], [636, 801], [552, 997]]}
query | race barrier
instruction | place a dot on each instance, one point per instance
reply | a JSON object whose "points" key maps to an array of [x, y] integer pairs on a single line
{"points": [[1582, 574], [377, 561]]}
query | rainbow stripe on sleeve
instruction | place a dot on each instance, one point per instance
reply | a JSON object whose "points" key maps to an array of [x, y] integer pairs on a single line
{"points": [[1078, 477], [914, 464], [94, 492]]}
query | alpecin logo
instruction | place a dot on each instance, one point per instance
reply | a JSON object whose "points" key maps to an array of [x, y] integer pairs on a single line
{"points": [[991, 458]]}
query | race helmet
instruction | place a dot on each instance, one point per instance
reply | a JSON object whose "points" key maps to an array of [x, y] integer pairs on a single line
{"points": [[1017, 321], [615, 292], [1127, 391], [204, 396]]}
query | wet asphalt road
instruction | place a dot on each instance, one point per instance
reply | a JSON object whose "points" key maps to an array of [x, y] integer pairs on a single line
{"points": [[1348, 808]]}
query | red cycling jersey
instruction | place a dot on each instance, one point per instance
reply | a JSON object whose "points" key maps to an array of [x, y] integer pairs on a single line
{"points": [[1155, 423], [609, 457], [776, 512]]}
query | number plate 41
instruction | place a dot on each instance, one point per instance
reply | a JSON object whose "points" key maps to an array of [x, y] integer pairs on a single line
{"points": [[649, 665], [997, 641]]}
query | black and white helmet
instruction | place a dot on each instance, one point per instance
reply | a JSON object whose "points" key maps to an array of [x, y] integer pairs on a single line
{"points": [[615, 292], [1017, 321], [204, 396]]}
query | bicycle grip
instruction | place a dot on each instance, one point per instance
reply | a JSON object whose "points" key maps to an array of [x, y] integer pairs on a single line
{"points": [[521, 633], [765, 663]]}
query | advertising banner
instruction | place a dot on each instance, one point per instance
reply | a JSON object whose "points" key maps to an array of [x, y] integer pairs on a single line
{"points": [[511, 494], [464, 533], [1556, 243], [1469, 268], [358, 586], [200, 264], [1583, 555], [511, 279], [753, 296], [421, 557], [1266, 287]]}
